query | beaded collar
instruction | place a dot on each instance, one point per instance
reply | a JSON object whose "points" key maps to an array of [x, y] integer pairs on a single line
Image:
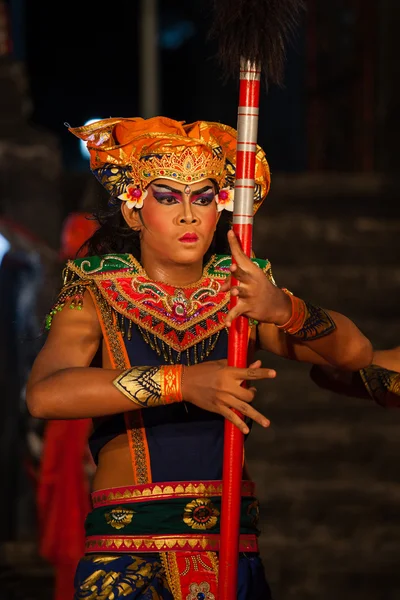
{"points": [[178, 316]]}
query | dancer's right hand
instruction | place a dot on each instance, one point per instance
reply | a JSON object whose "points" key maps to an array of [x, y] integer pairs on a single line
{"points": [[215, 387]]}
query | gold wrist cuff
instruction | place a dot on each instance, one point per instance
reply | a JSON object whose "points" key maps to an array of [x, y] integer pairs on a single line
{"points": [[151, 386]]}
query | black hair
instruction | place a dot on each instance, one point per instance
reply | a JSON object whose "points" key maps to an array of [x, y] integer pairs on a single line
{"points": [[114, 236]]}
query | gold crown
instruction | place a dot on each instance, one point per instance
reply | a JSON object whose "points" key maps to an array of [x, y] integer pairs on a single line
{"points": [[190, 166]]}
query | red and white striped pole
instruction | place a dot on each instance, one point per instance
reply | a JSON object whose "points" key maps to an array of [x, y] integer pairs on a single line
{"points": [[247, 128]]}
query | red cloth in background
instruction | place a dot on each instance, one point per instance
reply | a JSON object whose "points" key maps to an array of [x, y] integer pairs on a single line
{"points": [[63, 500], [63, 495], [77, 228]]}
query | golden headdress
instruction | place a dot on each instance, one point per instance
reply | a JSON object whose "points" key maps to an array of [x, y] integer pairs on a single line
{"points": [[126, 155]]}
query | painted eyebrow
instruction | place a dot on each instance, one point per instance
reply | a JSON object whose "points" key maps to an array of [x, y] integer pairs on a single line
{"points": [[171, 189], [203, 190]]}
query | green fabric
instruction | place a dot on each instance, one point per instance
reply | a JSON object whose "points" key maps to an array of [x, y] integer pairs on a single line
{"points": [[101, 264], [94, 265], [222, 262], [168, 517]]}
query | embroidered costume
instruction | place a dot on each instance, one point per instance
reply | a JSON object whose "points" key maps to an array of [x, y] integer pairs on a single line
{"points": [[159, 538], [174, 507]]}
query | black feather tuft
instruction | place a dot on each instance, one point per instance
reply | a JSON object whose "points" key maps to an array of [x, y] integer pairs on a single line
{"points": [[257, 30]]}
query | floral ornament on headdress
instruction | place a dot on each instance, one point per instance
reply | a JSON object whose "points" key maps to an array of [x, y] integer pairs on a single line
{"points": [[224, 199], [133, 196]]}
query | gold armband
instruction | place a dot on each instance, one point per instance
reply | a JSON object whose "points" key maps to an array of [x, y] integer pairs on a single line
{"points": [[382, 385], [308, 322], [151, 386]]}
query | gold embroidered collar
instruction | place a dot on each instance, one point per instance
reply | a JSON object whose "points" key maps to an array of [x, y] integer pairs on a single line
{"points": [[179, 316]]}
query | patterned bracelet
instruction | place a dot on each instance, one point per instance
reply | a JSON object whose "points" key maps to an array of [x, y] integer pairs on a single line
{"points": [[151, 386], [308, 322], [382, 385], [298, 317]]}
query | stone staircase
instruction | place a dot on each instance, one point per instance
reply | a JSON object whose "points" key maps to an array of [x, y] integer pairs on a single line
{"points": [[327, 469], [23, 575]]}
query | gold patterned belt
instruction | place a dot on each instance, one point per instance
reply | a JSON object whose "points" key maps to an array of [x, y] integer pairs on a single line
{"points": [[162, 517]]}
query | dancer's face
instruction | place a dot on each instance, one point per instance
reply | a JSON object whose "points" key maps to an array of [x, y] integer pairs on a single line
{"points": [[177, 221]]}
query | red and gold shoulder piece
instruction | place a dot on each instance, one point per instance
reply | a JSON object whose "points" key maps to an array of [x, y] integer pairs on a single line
{"points": [[79, 275], [178, 316]]}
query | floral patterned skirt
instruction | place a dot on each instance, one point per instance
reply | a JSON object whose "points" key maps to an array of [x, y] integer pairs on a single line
{"points": [[144, 577]]}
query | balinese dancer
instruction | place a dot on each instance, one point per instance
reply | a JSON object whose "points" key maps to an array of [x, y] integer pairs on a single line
{"points": [[152, 297]]}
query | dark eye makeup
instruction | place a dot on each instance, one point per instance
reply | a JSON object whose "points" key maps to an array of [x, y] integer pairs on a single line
{"points": [[169, 196]]}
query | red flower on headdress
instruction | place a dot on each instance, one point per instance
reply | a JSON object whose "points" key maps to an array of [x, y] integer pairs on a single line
{"points": [[133, 196], [224, 199]]}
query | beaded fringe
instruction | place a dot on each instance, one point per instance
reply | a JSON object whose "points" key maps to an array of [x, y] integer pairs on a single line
{"points": [[192, 355], [73, 292]]}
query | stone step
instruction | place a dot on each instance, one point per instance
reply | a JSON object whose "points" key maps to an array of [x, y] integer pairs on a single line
{"points": [[302, 438], [327, 194], [26, 583], [348, 551], [354, 477], [310, 573], [296, 239], [23, 574], [362, 290]]}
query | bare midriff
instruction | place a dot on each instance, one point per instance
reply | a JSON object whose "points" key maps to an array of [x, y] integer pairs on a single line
{"points": [[114, 466], [114, 463]]}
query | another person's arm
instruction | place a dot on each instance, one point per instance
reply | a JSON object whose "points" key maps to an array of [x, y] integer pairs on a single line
{"points": [[344, 346], [388, 359], [379, 381]]}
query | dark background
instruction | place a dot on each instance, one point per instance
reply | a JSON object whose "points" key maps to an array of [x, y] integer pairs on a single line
{"points": [[327, 470], [92, 70]]}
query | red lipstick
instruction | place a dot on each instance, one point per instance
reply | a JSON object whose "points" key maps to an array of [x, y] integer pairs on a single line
{"points": [[189, 238]]}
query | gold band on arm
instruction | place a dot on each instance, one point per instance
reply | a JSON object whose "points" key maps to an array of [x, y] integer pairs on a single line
{"points": [[308, 322], [382, 385], [151, 386]]}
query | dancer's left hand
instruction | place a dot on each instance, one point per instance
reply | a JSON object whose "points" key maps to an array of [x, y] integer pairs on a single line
{"points": [[257, 297]]}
